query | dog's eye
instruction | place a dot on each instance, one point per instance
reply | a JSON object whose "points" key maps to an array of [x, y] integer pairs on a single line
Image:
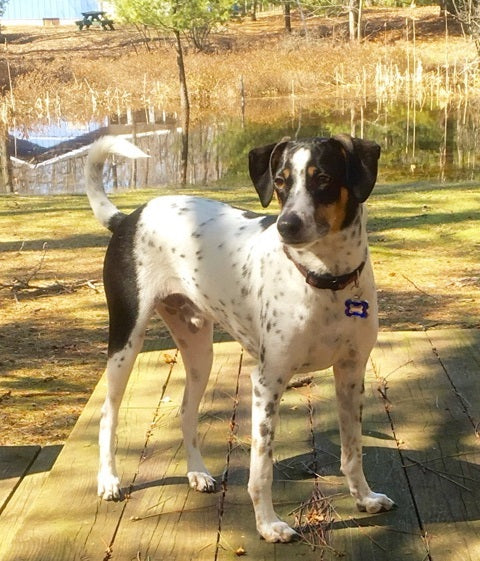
{"points": [[279, 182], [322, 180]]}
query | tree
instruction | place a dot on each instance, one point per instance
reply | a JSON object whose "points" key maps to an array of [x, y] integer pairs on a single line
{"points": [[308, 8], [193, 18], [354, 8], [3, 7], [467, 12]]}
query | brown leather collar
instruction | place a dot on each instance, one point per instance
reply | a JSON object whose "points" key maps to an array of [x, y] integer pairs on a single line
{"points": [[326, 282]]}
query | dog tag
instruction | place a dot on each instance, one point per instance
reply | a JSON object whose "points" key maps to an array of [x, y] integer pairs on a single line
{"points": [[356, 308]]}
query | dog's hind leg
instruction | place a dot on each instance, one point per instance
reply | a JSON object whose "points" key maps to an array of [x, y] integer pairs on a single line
{"points": [[127, 323], [118, 370], [193, 336]]}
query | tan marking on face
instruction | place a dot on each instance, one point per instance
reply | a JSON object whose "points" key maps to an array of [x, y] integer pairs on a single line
{"points": [[286, 173], [333, 214], [279, 200], [311, 170]]}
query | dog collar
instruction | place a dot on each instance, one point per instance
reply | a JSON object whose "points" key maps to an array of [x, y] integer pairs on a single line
{"points": [[326, 282]]}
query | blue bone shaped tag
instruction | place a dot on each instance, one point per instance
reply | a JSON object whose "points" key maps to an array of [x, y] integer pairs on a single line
{"points": [[356, 308]]}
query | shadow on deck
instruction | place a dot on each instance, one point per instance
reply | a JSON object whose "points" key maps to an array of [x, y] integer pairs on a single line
{"points": [[421, 442]]}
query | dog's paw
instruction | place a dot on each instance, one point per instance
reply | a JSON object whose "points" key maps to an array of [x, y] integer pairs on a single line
{"points": [[277, 531], [375, 502], [109, 487], [201, 481]]}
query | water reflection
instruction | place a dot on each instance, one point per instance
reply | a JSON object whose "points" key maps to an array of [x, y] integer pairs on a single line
{"points": [[418, 143]]}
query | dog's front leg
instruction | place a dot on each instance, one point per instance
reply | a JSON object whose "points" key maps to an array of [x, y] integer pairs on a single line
{"points": [[266, 393], [349, 387]]}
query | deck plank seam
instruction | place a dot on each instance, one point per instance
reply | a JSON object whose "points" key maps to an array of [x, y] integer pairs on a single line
{"points": [[464, 403], [172, 363], [386, 404], [231, 437], [20, 479]]}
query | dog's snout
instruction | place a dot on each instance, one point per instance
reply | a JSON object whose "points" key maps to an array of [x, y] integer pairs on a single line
{"points": [[290, 226]]}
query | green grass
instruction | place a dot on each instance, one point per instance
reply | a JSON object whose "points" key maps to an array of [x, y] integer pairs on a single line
{"points": [[424, 242]]}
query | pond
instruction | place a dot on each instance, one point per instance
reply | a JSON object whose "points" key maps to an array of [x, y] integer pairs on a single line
{"points": [[418, 143]]}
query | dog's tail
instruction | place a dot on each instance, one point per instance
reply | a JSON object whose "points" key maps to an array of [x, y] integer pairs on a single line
{"points": [[104, 210]]}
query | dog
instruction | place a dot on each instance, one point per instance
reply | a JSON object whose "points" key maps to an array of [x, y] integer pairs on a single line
{"points": [[297, 292]]}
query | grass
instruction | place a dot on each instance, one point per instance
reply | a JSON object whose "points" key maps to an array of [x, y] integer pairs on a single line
{"points": [[80, 78], [424, 241]]}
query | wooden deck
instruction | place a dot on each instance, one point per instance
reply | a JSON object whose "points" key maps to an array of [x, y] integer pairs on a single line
{"points": [[421, 447]]}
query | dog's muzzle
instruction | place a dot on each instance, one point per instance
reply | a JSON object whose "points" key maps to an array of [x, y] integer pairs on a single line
{"points": [[291, 227]]}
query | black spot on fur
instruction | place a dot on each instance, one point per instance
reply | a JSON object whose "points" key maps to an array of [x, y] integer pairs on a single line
{"points": [[270, 409], [264, 430]]}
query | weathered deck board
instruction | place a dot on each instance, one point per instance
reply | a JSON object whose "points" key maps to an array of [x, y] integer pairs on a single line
{"points": [[67, 520], [168, 510], [433, 428], [26, 491], [363, 536], [433, 410], [14, 464]]}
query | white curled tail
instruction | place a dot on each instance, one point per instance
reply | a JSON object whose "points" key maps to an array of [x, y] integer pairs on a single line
{"points": [[104, 210]]}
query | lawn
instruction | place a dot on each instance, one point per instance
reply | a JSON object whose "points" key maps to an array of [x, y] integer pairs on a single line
{"points": [[424, 241]]}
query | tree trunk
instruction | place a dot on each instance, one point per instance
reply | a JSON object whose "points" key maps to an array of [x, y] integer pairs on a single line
{"points": [[353, 19], [6, 183], [288, 19], [254, 10], [359, 20], [185, 107]]}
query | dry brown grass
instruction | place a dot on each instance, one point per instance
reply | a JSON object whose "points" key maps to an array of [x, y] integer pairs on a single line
{"points": [[396, 61]]}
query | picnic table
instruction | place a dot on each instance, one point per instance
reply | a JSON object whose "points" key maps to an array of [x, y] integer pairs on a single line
{"points": [[95, 18]]}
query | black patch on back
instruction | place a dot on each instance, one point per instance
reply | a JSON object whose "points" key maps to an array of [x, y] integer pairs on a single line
{"points": [[115, 221], [266, 220], [120, 281]]}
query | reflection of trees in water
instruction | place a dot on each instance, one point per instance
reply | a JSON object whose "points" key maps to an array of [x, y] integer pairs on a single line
{"points": [[424, 144]]}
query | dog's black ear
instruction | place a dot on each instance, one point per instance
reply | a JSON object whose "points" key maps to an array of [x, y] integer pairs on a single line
{"points": [[261, 163], [362, 164]]}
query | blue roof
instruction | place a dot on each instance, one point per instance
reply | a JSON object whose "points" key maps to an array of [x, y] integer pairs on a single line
{"points": [[39, 9]]}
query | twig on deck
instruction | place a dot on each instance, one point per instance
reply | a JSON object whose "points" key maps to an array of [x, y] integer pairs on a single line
{"points": [[313, 520], [177, 511], [436, 472], [360, 527]]}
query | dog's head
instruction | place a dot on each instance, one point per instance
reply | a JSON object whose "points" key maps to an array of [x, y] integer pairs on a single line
{"points": [[319, 182]]}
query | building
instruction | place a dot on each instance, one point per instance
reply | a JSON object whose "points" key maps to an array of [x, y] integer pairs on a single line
{"points": [[49, 12]]}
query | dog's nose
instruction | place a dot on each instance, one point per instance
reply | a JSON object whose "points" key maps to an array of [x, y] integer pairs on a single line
{"points": [[289, 226]]}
